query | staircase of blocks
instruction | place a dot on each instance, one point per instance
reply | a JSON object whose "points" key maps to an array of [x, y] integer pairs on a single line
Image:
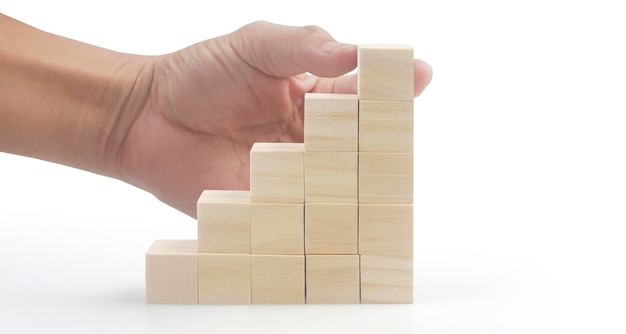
{"points": [[327, 221]]}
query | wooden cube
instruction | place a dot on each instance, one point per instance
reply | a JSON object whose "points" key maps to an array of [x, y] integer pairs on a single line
{"points": [[385, 72], [224, 279], [277, 279], [386, 126], [331, 122], [172, 272], [277, 228], [331, 228], [386, 229], [224, 221], [386, 279], [331, 177], [385, 178], [332, 279], [277, 173]]}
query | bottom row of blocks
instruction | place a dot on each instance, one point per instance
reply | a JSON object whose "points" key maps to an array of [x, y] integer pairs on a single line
{"points": [[177, 274]]}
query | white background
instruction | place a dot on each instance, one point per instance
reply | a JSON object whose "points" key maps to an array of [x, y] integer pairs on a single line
{"points": [[520, 176]]}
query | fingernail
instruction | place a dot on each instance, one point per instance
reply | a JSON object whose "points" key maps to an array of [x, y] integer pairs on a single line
{"points": [[331, 47]]}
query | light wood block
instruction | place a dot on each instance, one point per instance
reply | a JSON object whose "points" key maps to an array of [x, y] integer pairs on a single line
{"points": [[386, 126], [386, 279], [172, 272], [386, 229], [331, 122], [332, 279], [331, 228], [385, 178], [224, 222], [224, 279], [385, 72], [331, 177], [277, 228], [277, 279], [277, 173]]}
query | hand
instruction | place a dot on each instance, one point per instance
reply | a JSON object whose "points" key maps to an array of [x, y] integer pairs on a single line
{"points": [[207, 104]]}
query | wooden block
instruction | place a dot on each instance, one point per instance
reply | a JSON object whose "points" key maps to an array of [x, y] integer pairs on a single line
{"points": [[386, 126], [277, 173], [277, 279], [385, 72], [386, 229], [331, 177], [331, 122], [277, 228], [224, 221], [172, 272], [332, 279], [386, 279], [331, 228], [385, 178], [224, 279]]}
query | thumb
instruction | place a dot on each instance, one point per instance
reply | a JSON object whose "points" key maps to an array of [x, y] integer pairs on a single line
{"points": [[284, 51]]}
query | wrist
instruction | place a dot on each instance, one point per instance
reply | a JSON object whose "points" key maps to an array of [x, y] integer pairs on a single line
{"points": [[117, 108]]}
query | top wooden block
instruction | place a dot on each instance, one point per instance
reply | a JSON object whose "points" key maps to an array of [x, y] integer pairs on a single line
{"points": [[331, 122], [385, 73]]}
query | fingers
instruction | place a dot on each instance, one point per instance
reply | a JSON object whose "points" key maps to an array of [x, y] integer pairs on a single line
{"points": [[284, 51], [422, 73]]}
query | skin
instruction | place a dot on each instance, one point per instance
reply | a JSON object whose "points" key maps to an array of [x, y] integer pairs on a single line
{"points": [[174, 124]]}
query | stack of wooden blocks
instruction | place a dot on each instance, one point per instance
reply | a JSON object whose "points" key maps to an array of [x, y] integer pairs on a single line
{"points": [[327, 221]]}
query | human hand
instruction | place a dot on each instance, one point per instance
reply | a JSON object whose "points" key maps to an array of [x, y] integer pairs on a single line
{"points": [[207, 104]]}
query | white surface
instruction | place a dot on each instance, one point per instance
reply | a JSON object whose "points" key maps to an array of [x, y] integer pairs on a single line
{"points": [[520, 176]]}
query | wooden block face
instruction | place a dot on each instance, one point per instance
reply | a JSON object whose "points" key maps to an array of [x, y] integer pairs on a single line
{"points": [[224, 279], [332, 279], [224, 222], [277, 173], [277, 228], [331, 177], [331, 122], [386, 126], [386, 229], [386, 279], [277, 279], [331, 228], [385, 178], [385, 72], [172, 272]]}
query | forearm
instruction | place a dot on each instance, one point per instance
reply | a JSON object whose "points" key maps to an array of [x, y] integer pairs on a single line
{"points": [[66, 101]]}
